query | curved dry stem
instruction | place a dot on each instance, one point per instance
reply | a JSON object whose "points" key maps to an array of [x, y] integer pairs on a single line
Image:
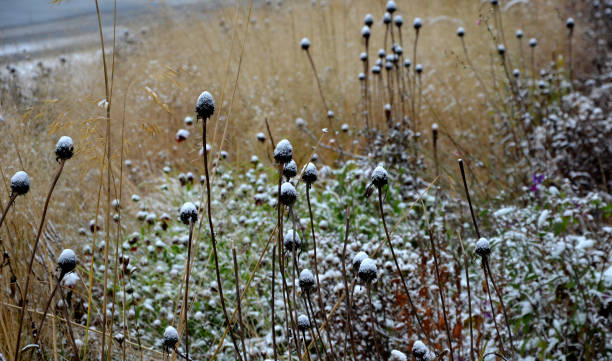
{"points": [[346, 286]]}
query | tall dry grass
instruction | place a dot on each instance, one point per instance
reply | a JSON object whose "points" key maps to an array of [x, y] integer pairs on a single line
{"points": [[158, 77]]}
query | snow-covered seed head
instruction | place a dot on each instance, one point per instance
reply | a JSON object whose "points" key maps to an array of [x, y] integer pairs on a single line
{"points": [[501, 50], [483, 248], [380, 177], [387, 18], [368, 20], [188, 213], [290, 243], [64, 149], [365, 32], [363, 56], [570, 23], [261, 137], [391, 6], [387, 108], [388, 65], [434, 127], [288, 195], [170, 337], [542, 84], [182, 135], [417, 23], [254, 159], [345, 127], [362, 76], [398, 20], [67, 261], [205, 106], [283, 151], [306, 281], [188, 121], [310, 174], [460, 32], [519, 34], [516, 73], [376, 69], [419, 68], [20, 183], [407, 63], [533, 42], [305, 43], [420, 351], [300, 122], [398, 356], [367, 270], [398, 50], [303, 323], [290, 169], [330, 114], [360, 256]]}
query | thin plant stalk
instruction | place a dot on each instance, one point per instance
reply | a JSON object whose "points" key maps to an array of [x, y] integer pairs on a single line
{"points": [[501, 301], [373, 324], [75, 349], [214, 240], [272, 303], [467, 278], [367, 91], [569, 50], [8, 206], [314, 244], [346, 287], [414, 61], [293, 288], [31, 263], [241, 325], [186, 299], [501, 340], [467, 194], [314, 320], [404, 285], [314, 70]]}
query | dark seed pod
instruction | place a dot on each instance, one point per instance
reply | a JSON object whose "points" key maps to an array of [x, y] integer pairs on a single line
{"points": [[398, 20], [519, 34], [290, 169], [261, 137], [420, 351], [188, 213], [417, 23], [391, 6], [380, 177], [365, 32], [305, 43], [310, 174], [283, 153], [288, 195], [64, 149], [67, 261], [170, 337], [501, 50], [306, 281], [483, 248], [303, 323], [533, 42], [367, 270], [205, 106], [368, 20], [20, 183], [387, 18], [570, 23], [291, 244], [460, 32], [360, 256]]}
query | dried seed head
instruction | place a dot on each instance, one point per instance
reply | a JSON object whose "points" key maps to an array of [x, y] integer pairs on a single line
{"points": [[363, 56], [345, 127], [417, 23], [398, 50], [387, 18], [67, 261], [188, 213], [20, 183], [360, 256], [261, 137], [533, 42], [519, 34], [367, 270], [290, 243], [501, 50], [391, 6], [365, 32], [380, 177], [64, 149], [254, 159], [407, 63], [460, 32], [300, 122], [419, 68], [205, 106], [368, 20], [398, 356], [362, 76], [303, 323], [388, 65], [483, 248], [188, 121], [376, 69], [283, 152], [420, 351], [570, 23], [305, 43], [516, 73], [182, 135], [170, 337], [398, 20], [288, 195], [310, 174], [306, 281], [330, 114], [290, 169]]}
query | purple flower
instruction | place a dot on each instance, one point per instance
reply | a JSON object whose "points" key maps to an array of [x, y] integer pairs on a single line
{"points": [[536, 181]]}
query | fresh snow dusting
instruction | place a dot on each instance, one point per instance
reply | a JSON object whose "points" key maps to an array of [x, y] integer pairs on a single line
{"points": [[303, 323], [170, 336], [306, 280], [67, 260], [360, 256], [419, 350], [283, 151], [367, 270], [288, 194], [289, 243], [607, 277], [188, 213], [205, 106], [64, 147], [310, 174], [398, 356], [181, 135], [483, 248], [380, 177], [305, 43], [290, 169], [20, 182], [70, 280]]}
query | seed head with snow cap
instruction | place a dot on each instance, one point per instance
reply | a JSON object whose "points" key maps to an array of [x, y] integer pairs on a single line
{"points": [[305, 43], [570, 23], [391, 6], [519, 34], [290, 243], [64, 149], [288, 195], [290, 169], [398, 356], [170, 337], [460, 32], [417, 23], [368, 20], [310, 174], [303, 323], [205, 106], [420, 351], [387, 18], [20, 183], [365, 32], [398, 20], [283, 153], [483, 248], [380, 177], [188, 213], [306, 281], [67, 261], [367, 270], [360, 256]]}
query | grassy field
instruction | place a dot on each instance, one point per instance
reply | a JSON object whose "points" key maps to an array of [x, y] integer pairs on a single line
{"points": [[532, 131]]}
